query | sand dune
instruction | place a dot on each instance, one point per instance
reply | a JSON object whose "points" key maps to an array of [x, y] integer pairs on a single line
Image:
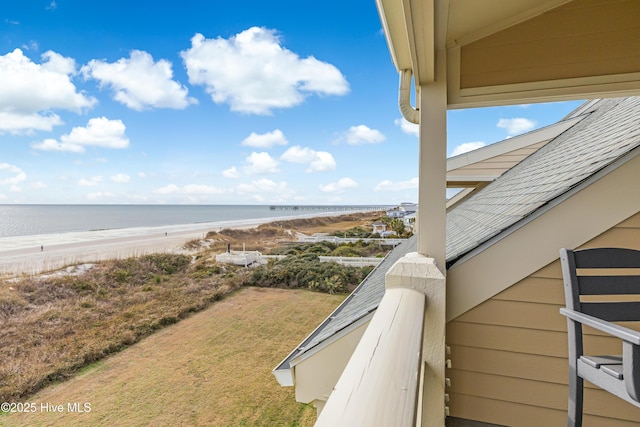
{"points": [[38, 253]]}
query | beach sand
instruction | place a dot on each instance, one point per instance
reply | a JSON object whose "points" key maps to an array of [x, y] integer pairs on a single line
{"points": [[46, 252]]}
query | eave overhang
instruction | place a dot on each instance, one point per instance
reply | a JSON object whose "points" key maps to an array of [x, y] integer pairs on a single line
{"points": [[519, 51]]}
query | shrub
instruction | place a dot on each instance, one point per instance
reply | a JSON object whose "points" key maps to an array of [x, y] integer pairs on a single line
{"points": [[306, 271]]}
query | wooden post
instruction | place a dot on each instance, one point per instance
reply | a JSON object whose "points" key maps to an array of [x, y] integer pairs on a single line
{"points": [[432, 176]]}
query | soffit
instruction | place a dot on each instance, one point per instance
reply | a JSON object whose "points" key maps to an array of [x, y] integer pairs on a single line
{"points": [[496, 50], [417, 28], [470, 20]]}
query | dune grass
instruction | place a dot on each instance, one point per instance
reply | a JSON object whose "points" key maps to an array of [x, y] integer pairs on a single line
{"points": [[213, 368], [52, 326]]}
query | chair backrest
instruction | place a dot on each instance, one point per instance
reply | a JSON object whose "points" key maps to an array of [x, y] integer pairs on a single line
{"points": [[581, 277]]}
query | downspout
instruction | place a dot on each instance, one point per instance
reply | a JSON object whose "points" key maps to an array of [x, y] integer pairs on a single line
{"points": [[410, 114]]}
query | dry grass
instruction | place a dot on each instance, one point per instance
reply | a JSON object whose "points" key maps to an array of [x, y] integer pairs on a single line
{"points": [[52, 326], [213, 369], [268, 236], [329, 224]]}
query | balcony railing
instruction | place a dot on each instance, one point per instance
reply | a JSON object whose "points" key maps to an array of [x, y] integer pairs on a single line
{"points": [[395, 377]]}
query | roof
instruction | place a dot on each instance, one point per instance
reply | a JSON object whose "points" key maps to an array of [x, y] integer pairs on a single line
{"points": [[362, 301], [483, 165], [608, 132]]}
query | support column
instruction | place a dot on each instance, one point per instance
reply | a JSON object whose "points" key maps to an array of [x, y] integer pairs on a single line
{"points": [[432, 174]]}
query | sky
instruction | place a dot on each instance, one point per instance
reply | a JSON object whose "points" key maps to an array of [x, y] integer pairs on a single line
{"points": [[214, 102]]}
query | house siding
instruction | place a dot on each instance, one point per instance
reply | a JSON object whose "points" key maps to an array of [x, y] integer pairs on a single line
{"points": [[509, 354]]}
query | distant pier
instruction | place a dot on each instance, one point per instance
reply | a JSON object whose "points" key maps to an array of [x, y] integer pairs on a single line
{"points": [[327, 208]]}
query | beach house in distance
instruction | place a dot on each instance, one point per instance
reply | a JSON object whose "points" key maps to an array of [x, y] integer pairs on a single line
{"points": [[460, 326]]}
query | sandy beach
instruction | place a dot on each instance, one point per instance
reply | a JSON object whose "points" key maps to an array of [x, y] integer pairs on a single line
{"points": [[45, 252]]}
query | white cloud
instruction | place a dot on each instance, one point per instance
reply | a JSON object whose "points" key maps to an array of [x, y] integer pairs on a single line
{"points": [[91, 182], [13, 174], [297, 154], [362, 134], [340, 186], [99, 132], [388, 185], [140, 83], [31, 45], [265, 140], [319, 161], [466, 147], [408, 127], [254, 73], [38, 185], [322, 162], [16, 123], [232, 172], [169, 189], [51, 144], [261, 163], [120, 178], [516, 125], [29, 91]]}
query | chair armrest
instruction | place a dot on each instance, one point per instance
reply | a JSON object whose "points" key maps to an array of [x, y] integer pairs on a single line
{"points": [[626, 334]]}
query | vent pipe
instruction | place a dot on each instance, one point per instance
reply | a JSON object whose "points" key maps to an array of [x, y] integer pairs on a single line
{"points": [[404, 98]]}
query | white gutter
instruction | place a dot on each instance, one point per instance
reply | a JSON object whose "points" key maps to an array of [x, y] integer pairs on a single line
{"points": [[410, 114]]}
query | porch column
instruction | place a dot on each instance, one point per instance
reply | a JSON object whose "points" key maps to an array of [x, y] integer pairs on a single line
{"points": [[432, 175]]}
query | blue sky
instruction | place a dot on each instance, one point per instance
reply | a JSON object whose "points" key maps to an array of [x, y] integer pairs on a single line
{"points": [[213, 102]]}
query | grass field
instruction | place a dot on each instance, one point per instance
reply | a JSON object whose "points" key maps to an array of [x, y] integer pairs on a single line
{"points": [[211, 369]]}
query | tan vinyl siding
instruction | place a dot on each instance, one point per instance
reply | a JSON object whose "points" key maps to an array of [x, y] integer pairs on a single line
{"points": [[548, 48], [509, 354]]}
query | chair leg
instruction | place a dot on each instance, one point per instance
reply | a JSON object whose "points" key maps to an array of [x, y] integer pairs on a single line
{"points": [[576, 392]]}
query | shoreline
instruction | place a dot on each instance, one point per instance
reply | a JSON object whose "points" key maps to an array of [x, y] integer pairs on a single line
{"points": [[23, 254]]}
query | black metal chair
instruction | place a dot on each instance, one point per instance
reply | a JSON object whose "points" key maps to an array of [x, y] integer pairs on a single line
{"points": [[618, 374]]}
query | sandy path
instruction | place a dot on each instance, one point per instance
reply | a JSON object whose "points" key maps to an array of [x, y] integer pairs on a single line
{"points": [[23, 254]]}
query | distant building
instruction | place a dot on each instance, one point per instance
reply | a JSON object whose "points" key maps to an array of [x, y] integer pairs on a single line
{"points": [[409, 220], [395, 213], [402, 210], [408, 207]]}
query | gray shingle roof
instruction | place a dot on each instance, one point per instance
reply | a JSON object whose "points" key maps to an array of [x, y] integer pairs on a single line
{"points": [[611, 131]]}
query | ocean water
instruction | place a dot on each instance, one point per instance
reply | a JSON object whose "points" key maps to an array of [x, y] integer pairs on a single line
{"points": [[25, 220]]}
